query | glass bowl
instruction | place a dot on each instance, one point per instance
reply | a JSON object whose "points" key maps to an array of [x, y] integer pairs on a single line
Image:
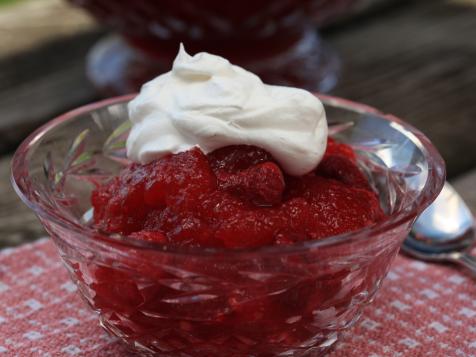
{"points": [[270, 301], [277, 40]]}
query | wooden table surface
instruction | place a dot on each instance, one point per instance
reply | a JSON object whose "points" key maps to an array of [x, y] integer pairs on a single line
{"points": [[416, 59]]}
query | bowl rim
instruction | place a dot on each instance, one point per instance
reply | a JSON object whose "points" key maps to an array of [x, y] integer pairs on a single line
{"points": [[433, 185]]}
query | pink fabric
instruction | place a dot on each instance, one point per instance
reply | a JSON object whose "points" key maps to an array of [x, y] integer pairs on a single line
{"points": [[421, 310]]}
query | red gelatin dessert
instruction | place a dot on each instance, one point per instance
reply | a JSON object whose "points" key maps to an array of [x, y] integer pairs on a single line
{"points": [[236, 197]]}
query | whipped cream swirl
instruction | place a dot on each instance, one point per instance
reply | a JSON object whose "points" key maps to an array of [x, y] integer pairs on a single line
{"points": [[206, 101]]}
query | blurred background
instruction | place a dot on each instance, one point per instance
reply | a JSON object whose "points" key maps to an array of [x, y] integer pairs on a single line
{"points": [[414, 59]]}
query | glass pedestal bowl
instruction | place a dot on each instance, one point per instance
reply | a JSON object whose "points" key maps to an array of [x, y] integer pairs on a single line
{"points": [[277, 40], [272, 301]]}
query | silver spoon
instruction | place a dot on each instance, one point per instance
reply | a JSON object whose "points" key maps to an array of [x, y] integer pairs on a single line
{"points": [[444, 231]]}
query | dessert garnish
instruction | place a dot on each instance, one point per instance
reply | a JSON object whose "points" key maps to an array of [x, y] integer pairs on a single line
{"points": [[207, 102]]}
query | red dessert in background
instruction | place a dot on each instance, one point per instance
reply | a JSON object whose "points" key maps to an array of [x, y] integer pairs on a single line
{"points": [[236, 197]]}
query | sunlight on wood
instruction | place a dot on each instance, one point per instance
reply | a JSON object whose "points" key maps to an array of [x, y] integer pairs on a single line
{"points": [[464, 2], [38, 21]]}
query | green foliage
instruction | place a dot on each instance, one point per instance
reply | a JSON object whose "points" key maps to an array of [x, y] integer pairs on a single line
{"points": [[5, 2]]}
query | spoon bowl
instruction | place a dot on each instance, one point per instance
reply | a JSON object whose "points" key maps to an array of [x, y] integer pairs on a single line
{"points": [[444, 232]]}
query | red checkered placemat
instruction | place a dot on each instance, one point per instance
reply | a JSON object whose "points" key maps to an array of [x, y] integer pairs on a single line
{"points": [[421, 310]]}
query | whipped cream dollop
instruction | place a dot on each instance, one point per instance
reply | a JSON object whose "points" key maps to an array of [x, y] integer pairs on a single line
{"points": [[206, 101]]}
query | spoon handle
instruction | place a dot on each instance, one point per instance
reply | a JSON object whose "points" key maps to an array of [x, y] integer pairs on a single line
{"points": [[467, 261]]}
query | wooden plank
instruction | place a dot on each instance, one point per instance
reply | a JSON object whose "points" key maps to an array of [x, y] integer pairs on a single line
{"points": [[43, 45], [28, 24], [18, 224], [417, 62], [466, 186], [35, 88]]}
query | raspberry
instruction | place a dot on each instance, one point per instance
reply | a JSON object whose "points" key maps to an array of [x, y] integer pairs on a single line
{"points": [[183, 177], [262, 184], [343, 169], [335, 148], [237, 157], [119, 205]]}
